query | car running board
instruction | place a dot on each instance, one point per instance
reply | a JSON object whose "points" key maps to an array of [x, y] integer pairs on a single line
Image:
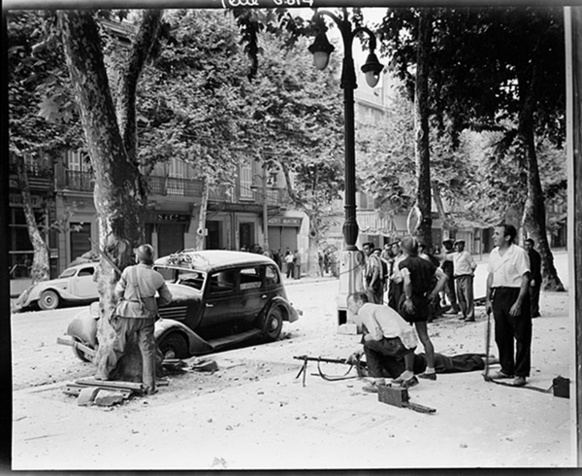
{"points": [[233, 339]]}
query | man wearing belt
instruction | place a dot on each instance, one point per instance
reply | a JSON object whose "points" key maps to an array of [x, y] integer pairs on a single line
{"points": [[508, 297], [464, 270], [136, 313], [385, 335]]}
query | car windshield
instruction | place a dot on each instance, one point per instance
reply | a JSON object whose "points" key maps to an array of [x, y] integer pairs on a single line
{"points": [[187, 277], [67, 273]]}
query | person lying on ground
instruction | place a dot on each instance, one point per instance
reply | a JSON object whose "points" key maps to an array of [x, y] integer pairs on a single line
{"points": [[393, 366]]}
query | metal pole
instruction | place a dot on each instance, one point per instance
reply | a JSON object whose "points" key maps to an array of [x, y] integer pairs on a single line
{"points": [[348, 83], [265, 214]]}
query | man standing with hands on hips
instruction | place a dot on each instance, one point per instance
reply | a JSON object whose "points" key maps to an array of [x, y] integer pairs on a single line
{"points": [[508, 297], [464, 271]]}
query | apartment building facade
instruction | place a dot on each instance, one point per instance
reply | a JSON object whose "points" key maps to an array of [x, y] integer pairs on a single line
{"points": [[62, 196]]}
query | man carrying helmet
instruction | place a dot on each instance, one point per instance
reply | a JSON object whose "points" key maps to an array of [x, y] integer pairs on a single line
{"points": [[135, 314]]}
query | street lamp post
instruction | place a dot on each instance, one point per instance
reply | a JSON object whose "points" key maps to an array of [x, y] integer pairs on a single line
{"points": [[350, 275]]}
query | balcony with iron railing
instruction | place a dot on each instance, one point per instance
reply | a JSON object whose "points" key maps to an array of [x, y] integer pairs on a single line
{"points": [[177, 187], [79, 181], [228, 193], [164, 186], [38, 178]]}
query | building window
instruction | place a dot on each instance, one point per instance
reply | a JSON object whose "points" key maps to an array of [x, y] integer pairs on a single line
{"points": [[246, 180], [176, 176], [79, 236], [79, 170]]}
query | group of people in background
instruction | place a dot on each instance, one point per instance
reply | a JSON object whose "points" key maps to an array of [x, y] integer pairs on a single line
{"points": [[288, 263], [327, 261], [406, 283]]}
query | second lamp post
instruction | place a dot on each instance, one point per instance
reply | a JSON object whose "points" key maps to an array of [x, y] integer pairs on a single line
{"points": [[321, 48]]}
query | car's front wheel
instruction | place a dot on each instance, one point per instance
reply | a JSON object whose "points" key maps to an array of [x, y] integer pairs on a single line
{"points": [[273, 324], [48, 300], [173, 346]]}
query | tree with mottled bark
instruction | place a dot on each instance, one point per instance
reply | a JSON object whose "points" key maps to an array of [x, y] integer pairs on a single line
{"points": [[110, 134]]}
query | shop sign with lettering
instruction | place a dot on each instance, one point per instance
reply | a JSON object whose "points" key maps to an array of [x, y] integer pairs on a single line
{"points": [[162, 217], [16, 200], [285, 221]]}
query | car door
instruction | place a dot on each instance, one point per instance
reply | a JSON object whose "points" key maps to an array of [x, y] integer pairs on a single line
{"points": [[221, 300], [253, 297], [83, 284]]}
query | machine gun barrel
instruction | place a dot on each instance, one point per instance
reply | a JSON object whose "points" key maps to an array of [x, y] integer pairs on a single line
{"points": [[321, 359]]}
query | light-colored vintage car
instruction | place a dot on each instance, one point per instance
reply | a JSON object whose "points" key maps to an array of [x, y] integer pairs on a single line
{"points": [[220, 298], [75, 285]]}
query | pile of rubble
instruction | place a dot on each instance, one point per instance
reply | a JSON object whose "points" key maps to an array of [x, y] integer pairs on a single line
{"points": [[106, 393]]}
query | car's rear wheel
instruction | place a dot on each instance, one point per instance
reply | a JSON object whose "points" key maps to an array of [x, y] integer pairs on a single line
{"points": [[273, 324], [173, 346], [79, 353], [48, 300]]}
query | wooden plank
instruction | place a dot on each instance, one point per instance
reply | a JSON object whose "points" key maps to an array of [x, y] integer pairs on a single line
{"points": [[75, 389], [116, 384], [77, 345]]}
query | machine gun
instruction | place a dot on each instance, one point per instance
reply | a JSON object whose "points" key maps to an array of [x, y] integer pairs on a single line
{"points": [[360, 367], [395, 396]]}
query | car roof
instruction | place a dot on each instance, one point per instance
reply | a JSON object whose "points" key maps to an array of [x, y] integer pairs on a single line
{"points": [[92, 264], [211, 259]]}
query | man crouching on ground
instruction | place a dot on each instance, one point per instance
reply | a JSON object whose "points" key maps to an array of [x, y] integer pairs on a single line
{"points": [[385, 333]]}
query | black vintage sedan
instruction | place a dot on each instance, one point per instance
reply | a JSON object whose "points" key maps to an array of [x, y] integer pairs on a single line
{"points": [[220, 298]]}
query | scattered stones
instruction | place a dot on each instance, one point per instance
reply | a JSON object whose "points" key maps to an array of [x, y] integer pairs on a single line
{"points": [[107, 398], [87, 396]]}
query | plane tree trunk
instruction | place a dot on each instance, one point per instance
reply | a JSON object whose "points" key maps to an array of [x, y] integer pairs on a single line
{"points": [[421, 132], [119, 194], [40, 270], [534, 213]]}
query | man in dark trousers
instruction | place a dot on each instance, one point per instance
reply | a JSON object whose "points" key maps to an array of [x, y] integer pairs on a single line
{"points": [[507, 295], [136, 313], [535, 263], [448, 268], [373, 277], [419, 291]]}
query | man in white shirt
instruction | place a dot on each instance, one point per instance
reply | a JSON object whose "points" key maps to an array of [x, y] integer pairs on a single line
{"points": [[508, 297], [385, 333], [464, 271]]}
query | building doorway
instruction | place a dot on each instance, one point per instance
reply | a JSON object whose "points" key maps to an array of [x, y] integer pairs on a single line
{"points": [[170, 238], [246, 235], [214, 238], [282, 238]]}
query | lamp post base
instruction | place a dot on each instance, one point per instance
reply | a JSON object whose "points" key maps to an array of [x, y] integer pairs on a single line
{"points": [[351, 281]]}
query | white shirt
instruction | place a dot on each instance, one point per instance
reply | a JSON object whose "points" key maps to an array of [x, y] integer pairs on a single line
{"points": [[396, 274], [508, 269], [463, 262], [384, 320]]}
